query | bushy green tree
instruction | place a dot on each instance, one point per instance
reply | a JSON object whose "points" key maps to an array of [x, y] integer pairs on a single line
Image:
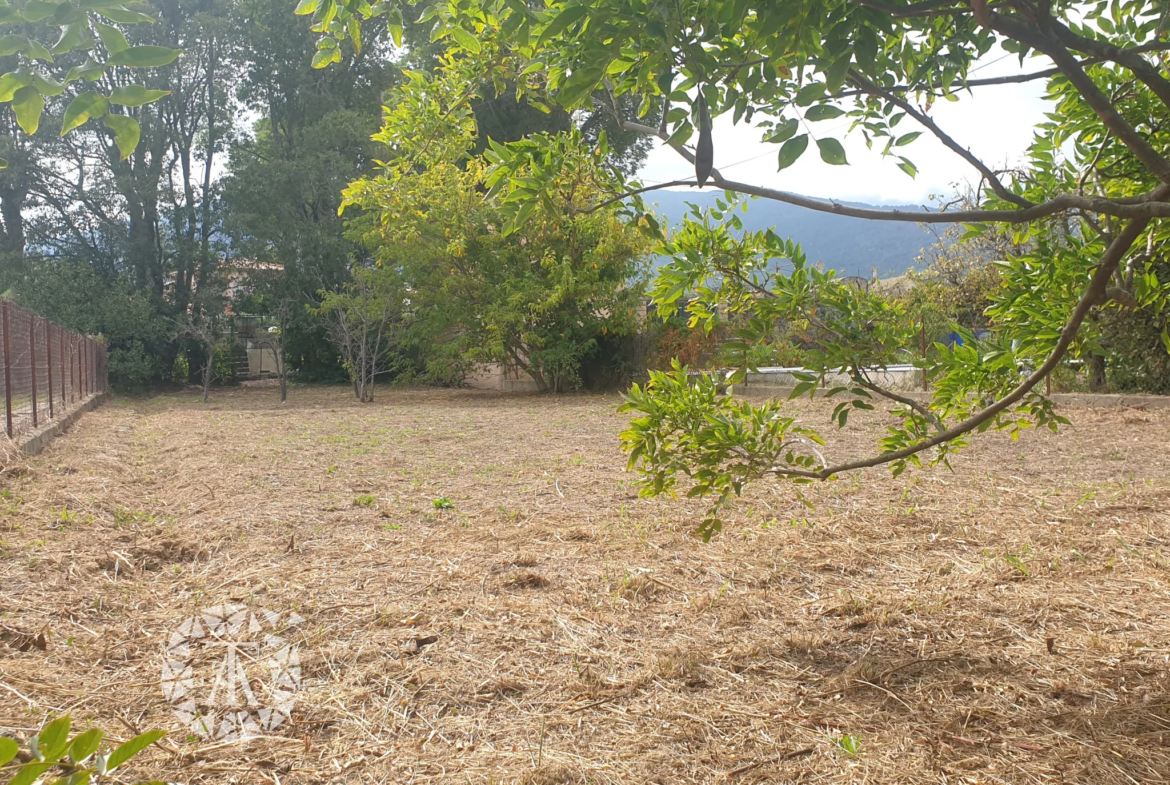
{"points": [[536, 299], [363, 319], [130, 320], [286, 173], [959, 273]]}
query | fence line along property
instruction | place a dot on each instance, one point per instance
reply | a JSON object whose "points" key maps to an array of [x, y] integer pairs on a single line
{"points": [[48, 370]]}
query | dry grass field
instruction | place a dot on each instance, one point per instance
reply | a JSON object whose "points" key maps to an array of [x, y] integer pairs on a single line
{"points": [[1005, 623]]}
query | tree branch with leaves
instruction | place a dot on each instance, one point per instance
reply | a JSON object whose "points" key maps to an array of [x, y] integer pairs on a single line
{"points": [[80, 29]]}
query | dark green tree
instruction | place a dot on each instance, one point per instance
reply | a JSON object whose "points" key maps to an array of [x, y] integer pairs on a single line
{"points": [[286, 173]]}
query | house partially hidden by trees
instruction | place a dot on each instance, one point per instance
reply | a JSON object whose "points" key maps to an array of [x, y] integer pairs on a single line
{"points": [[248, 335]]}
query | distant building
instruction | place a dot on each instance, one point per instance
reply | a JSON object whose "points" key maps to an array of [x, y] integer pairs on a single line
{"points": [[253, 357]]}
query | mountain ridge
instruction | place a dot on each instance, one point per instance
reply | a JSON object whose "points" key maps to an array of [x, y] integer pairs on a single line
{"points": [[851, 246]]}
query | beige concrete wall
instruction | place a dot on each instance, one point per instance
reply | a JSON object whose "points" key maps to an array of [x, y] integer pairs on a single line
{"points": [[261, 362], [495, 376]]}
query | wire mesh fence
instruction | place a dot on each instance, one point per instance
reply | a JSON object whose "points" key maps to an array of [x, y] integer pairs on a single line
{"points": [[47, 369]]}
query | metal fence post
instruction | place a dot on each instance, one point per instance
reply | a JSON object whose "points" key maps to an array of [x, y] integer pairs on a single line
{"points": [[61, 367], [922, 325], [32, 362], [49, 362], [7, 370]]}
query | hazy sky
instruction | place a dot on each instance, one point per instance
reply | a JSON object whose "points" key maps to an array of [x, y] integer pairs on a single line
{"points": [[996, 123]]}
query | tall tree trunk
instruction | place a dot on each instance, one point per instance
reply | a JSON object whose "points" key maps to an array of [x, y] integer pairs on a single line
{"points": [[208, 368], [195, 360], [137, 179], [1097, 373], [208, 159]]}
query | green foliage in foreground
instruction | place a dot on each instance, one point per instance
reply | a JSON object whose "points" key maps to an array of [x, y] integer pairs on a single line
{"points": [[79, 28], [79, 759], [689, 426]]}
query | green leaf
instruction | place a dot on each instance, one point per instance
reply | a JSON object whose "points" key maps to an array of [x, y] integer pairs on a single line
{"points": [[823, 112], [134, 746], [146, 57], [68, 15], [325, 57], [30, 773], [37, 51], [82, 109], [579, 86], [562, 22], [47, 87], [850, 745], [76, 778], [11, 82], [619, 67], [681, 134], [10, 15], [124, 16], [832, 152], [907, 138], [70, 39], [54, 738], [354, 28], [466, 40], [37, 10], [112, 38], [836, 73], [8, 749], [91, 71], [126, 132], [11, 44], [792, 150], [28, 105], [810, 93], [783, 132], [907, 166], [85, 745], [306, 7], [136, 95]]}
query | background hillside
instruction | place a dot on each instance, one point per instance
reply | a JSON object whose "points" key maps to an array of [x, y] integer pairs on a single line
{"points": [[851, 246]]}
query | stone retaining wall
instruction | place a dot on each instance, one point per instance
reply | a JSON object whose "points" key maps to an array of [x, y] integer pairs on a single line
{"points": [[36, 441]]}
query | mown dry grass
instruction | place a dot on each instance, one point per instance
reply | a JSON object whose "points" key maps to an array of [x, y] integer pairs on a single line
{"points": [[1008, 622]]}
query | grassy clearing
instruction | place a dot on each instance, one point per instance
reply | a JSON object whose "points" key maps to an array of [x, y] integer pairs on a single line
{"points": [[487, 600]]}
